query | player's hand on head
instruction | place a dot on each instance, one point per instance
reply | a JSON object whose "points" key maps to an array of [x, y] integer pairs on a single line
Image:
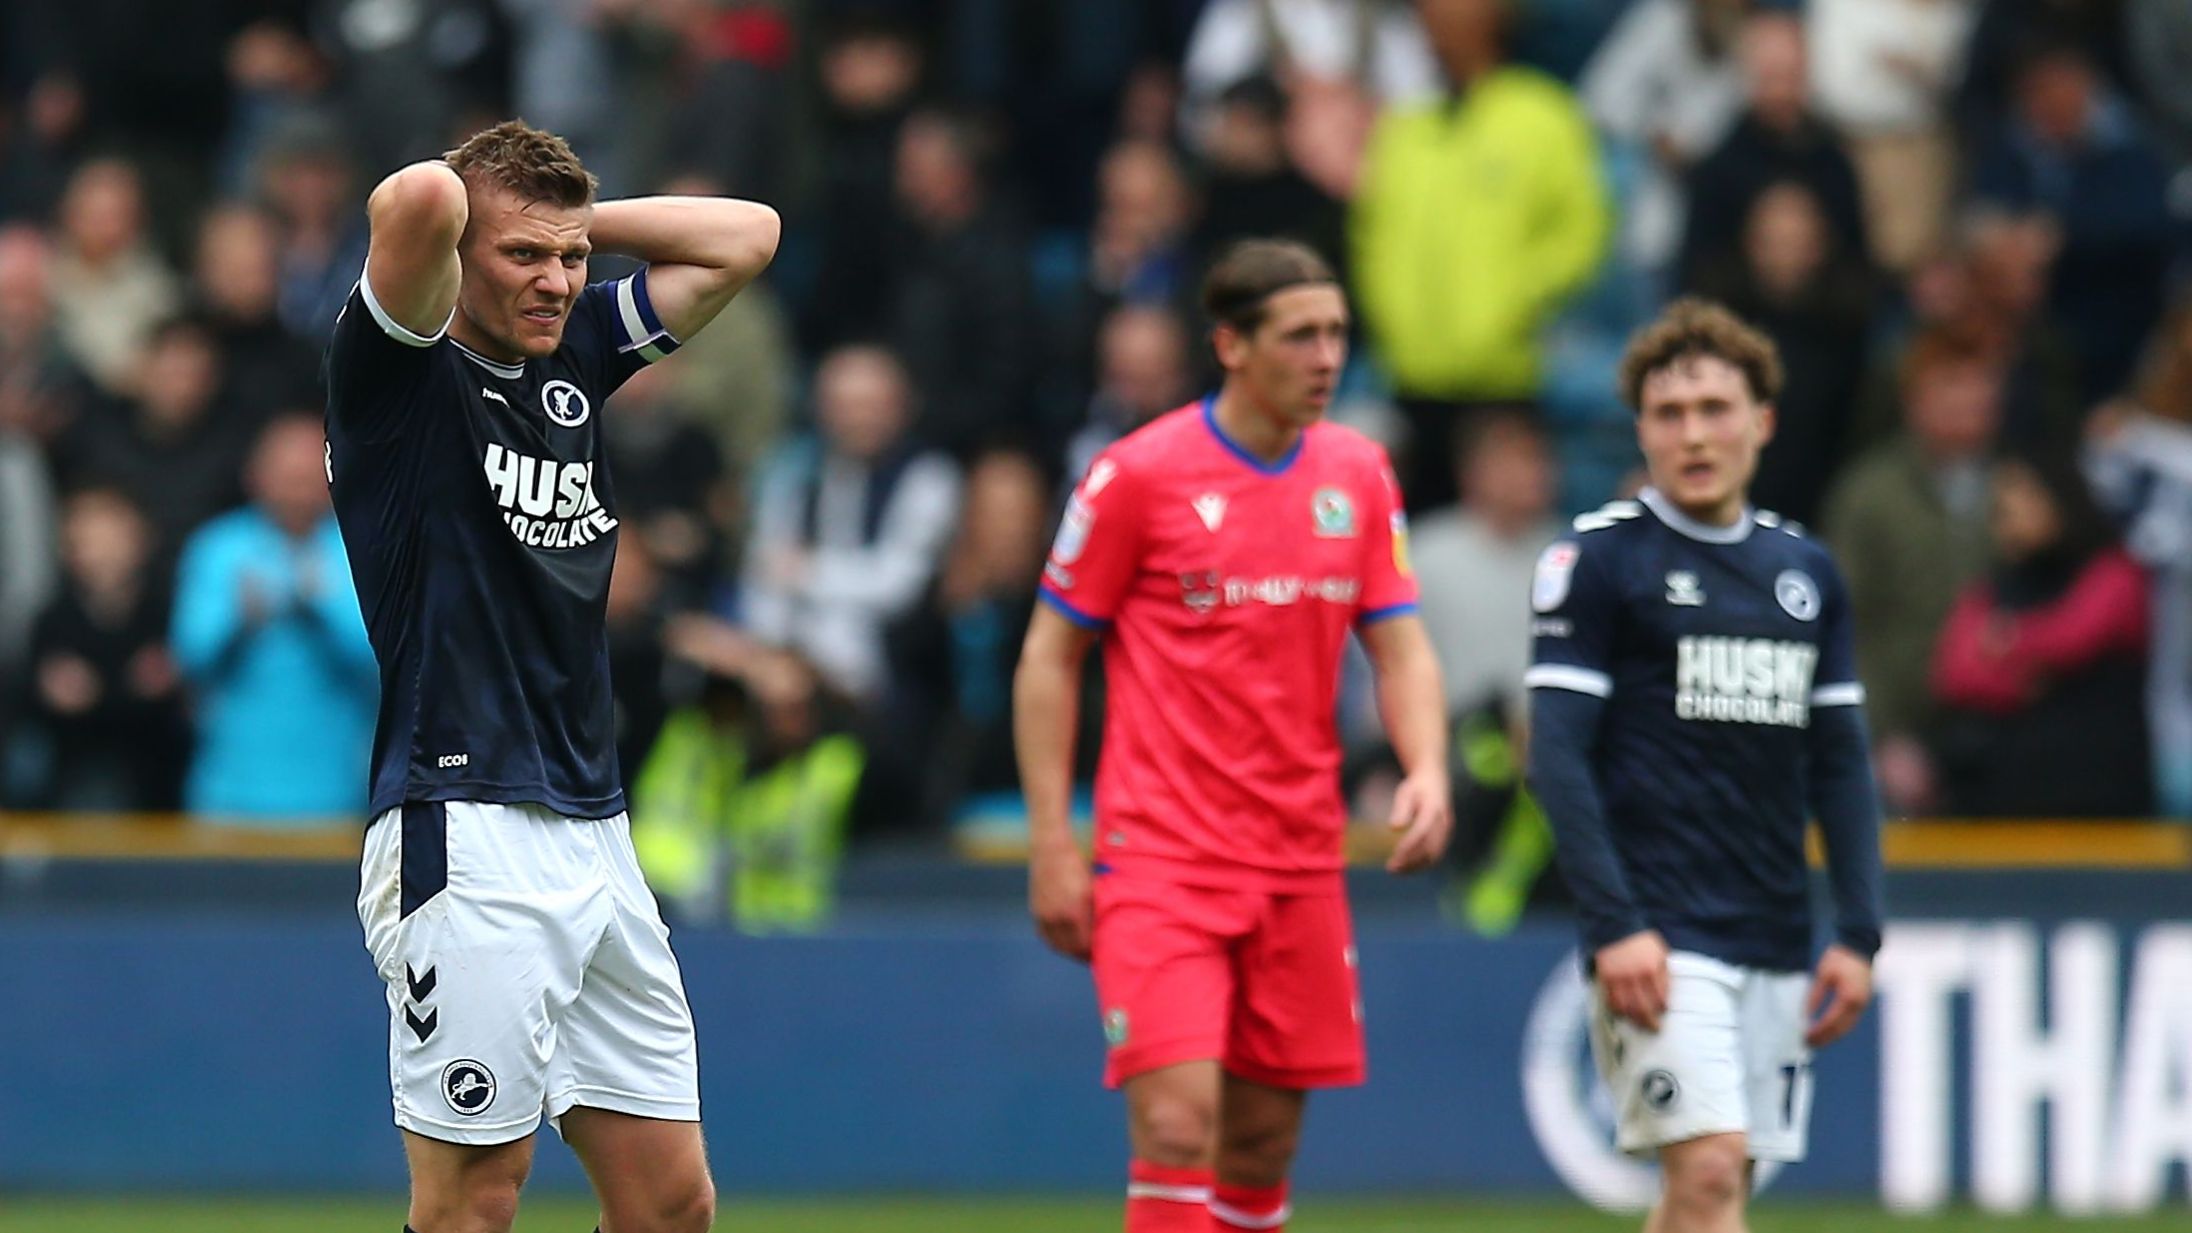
{"points": [[1841, 989], [1423, 815], [1062, 898], [1633, 974]]}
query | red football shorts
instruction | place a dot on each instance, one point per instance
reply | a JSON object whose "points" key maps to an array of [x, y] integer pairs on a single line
{"points": [[1262, 983]]}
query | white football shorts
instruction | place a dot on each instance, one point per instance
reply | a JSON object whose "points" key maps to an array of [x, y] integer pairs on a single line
{"points": [[1729, 1058], [528, 971]]}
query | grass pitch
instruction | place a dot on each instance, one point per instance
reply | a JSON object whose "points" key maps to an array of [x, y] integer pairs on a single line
{"points": [[545, 1214]]}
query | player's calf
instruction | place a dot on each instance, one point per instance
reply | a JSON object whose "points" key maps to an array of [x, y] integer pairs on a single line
{"points": [[1706, 1181]]}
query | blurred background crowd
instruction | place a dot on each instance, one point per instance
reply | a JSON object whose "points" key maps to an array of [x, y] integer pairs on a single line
{"points": [[1965, 222]]}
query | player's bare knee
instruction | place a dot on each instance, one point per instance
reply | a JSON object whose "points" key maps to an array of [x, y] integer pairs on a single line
{"points": [[1707, 1177], [1257, 1154], [478, 1205], [1175, 1131], [686, 1206]]}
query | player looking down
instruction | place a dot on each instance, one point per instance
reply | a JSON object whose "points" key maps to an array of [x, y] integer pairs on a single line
{"points": [[1222, 553], [528, 969], [1694, 705]]}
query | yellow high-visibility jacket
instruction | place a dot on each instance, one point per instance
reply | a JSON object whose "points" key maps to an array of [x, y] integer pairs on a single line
{"points": [[1474, 218]]}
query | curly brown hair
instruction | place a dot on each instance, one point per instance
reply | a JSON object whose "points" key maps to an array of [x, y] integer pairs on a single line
{"points": [[526, 161], [1693, 328]]}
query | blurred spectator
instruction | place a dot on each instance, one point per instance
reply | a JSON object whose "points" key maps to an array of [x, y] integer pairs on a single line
{"points": [[1138, 248], [869, 70], [149, 90], [1884, 70], [960, 303], [2042, 665], [953, 657], [2074, 152], [1815, 301], [730, 115], [1142, 371], [1053, 75], [2006, 33], [2139, 453], [734, 378], [310, 187], [109, 289], [104, 691], [744, 802], [563, 78], [268, 632], [27, 535], [1908, 522], [175, 448], [236, 283], [1666, 81], [670, 484], [1778, 137], [848, 525], [39, 134], [1475, 219], [33, 378], [2010, 265], [1251, 188], [1376, 48], [2158, 35], [277, 79], [1475, 560], [413, 72]]}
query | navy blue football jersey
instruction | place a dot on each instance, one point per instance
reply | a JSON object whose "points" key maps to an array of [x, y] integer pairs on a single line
{"points": [[481, 525], [1712, 647]]}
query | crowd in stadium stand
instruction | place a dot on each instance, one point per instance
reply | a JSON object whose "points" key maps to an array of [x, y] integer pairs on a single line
{"points": [[1965, 223]]}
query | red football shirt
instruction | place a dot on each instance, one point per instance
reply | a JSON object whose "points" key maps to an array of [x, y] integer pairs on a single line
{"points": [[1226, 587]]}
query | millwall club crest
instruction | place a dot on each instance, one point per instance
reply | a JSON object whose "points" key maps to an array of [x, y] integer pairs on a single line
{"points": [[468, 1086], [1332, 513], [1798, 594], [564, 402]]}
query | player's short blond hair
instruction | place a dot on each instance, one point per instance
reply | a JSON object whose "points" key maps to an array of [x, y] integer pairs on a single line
{"points": [[1693, 328], [528, 162]]}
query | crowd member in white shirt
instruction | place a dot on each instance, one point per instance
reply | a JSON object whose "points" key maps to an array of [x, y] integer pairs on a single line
{"points": [[1882, 72], [1666, 83], [1474, 560]]}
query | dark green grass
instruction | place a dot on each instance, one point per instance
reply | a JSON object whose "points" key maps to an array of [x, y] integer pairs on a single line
{"points": [[546, 1214]]}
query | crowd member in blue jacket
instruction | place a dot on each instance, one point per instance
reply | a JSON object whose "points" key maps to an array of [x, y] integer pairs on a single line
{"points": [[268, 635]]}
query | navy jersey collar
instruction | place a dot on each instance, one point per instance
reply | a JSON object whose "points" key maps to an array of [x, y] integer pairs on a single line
{"points": [[1210, 421], [1681, 523]]}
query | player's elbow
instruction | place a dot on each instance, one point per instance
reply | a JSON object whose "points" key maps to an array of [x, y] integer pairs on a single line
{"points": [[421, 199], [750, 234]]}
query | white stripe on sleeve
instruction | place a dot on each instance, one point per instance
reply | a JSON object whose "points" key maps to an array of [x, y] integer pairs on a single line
{"points": [[1569, 677]]}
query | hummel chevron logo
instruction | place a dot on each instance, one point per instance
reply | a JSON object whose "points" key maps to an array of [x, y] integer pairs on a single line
{"points": [[422, 1028], [422, 987], [1210, 507]]}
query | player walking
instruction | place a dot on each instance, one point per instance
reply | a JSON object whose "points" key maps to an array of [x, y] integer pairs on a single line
{"points": [[528, 970], [1223, 552], [1695, 702]]}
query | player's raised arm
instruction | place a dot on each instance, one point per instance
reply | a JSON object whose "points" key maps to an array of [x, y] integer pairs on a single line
{"points": [[416, 215], [1046, 699], [701, 251], [1412, 700]]}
